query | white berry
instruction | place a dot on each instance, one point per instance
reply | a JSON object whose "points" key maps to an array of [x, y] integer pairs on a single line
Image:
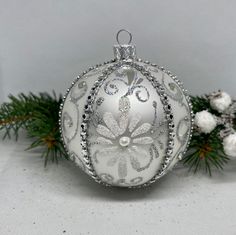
{"points": [[229, 144], [205, 121], [220, 101]]}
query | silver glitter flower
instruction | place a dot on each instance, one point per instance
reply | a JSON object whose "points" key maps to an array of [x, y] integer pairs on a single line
{"points": [[123, 141]]}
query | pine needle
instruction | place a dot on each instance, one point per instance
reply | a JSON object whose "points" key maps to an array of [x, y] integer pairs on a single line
{"points": [[38, 115]]}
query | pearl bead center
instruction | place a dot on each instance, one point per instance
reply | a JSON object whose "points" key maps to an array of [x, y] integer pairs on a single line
{"points": [[124, 141]]}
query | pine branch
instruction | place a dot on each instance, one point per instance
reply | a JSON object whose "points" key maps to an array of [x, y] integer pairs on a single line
{"points": [[38, 115], [205, 150]]}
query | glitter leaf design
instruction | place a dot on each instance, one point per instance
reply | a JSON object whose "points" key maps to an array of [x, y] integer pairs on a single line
{"points": [[119, 130], [111, 123], [139, 151], [143, 140], [134, 121], [102, 140], [144, 128], [124, 104], [123, 122], [104, 131], [134, 161]]}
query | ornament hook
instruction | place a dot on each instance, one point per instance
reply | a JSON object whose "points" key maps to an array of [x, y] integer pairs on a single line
{"points": [[118, 34]]}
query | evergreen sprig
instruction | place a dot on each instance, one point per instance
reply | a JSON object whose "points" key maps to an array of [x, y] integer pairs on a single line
{"points": [[38, 115], [205, 150]]}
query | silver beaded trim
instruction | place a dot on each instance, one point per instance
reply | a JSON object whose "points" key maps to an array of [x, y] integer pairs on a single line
{"points": [[170, 120], [88, 110], [185, 92], [67, 93]]}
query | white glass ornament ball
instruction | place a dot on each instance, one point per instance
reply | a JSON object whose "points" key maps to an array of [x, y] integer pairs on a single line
{"points": [[126, 122]]}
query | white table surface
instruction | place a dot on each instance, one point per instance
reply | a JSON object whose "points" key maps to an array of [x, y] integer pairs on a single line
{"points": [[63, 200]]}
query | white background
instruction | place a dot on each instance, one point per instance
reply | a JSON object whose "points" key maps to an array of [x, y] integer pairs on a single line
{"points": [[45, 44]]}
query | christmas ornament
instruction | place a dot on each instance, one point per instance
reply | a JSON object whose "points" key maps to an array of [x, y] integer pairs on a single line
{"points": [[126, 122], [205, 121]]}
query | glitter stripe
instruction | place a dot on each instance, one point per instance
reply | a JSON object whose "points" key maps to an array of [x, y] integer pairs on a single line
{"points": [[123, 122]]}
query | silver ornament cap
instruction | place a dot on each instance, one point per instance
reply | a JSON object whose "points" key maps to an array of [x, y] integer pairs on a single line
{"points": [[124, 51]]}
